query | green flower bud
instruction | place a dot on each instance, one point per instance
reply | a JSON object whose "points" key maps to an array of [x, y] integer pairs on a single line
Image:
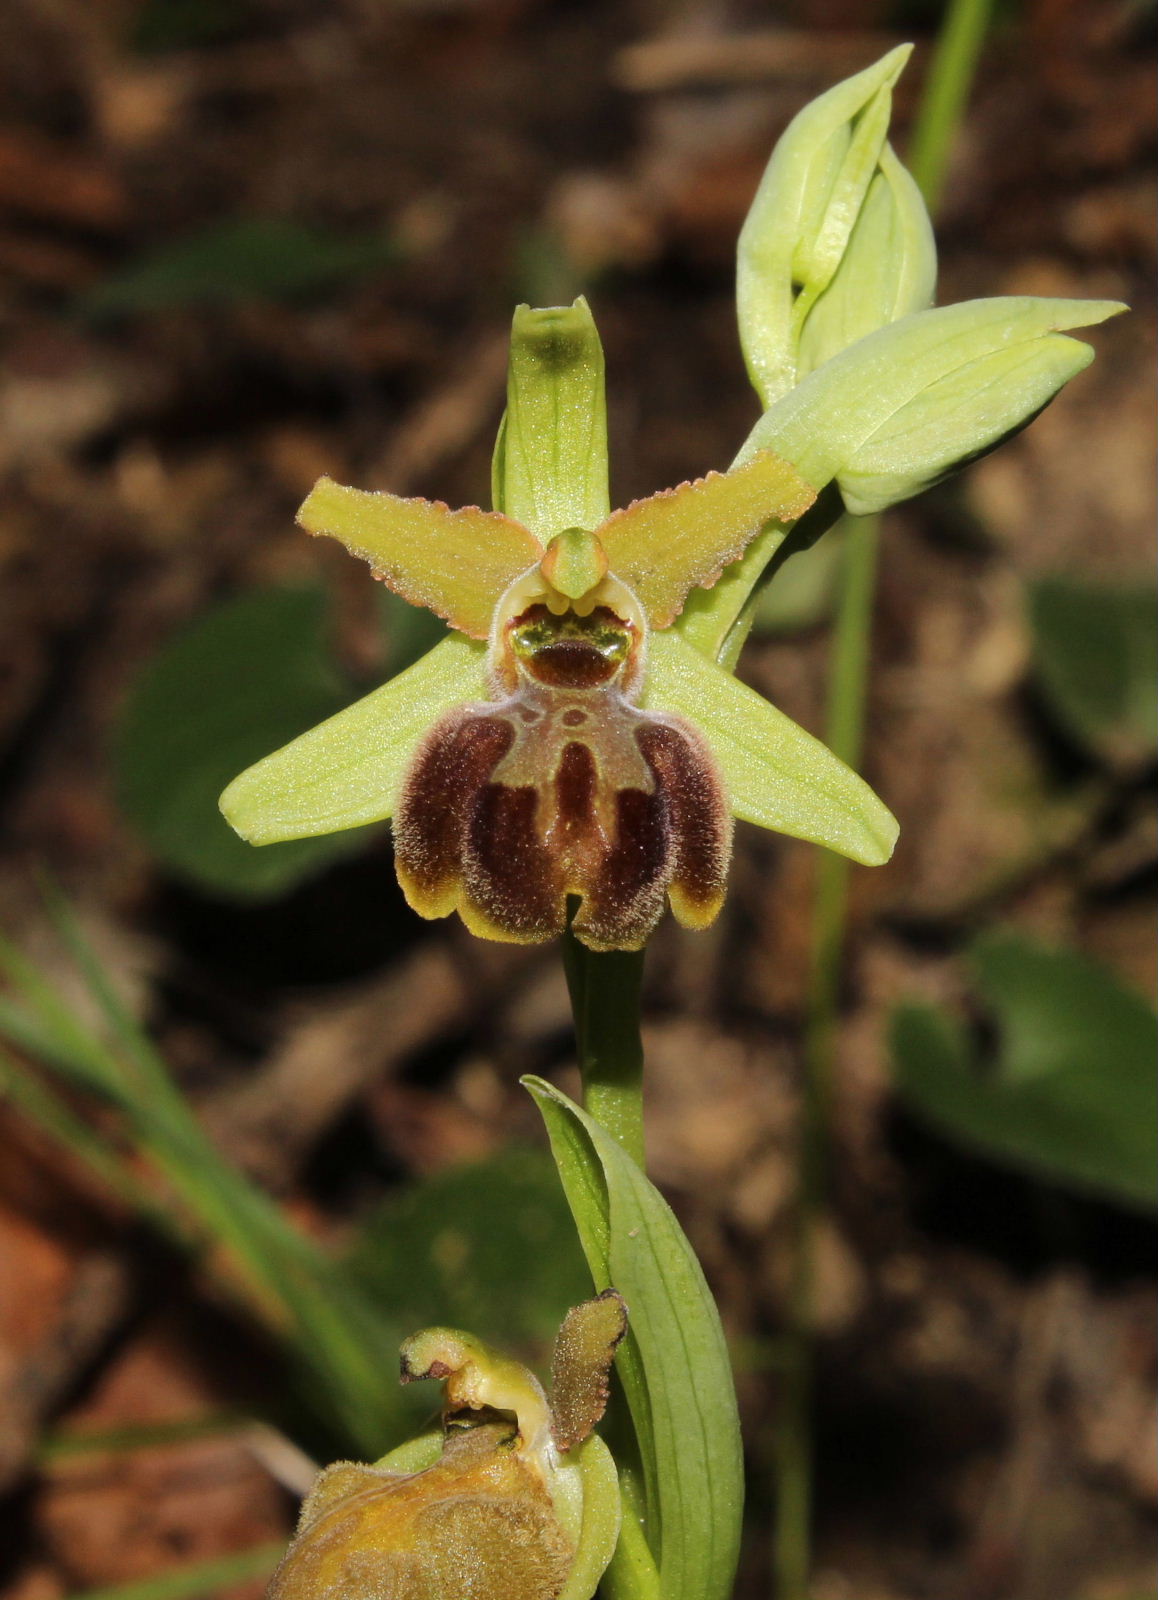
{"points": [[910, 403], [803, 217], [888, 270]]}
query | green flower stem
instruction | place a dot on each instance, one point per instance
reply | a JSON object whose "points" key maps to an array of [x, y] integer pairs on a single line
{"points": [[943, 103], [604, 988], [946, 91], [844, 735]]}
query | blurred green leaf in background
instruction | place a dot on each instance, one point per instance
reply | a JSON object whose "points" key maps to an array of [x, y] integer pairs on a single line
{"points": [[1095, 657], [250, 674], [252, 258], [257, 668], [491, 1244], [160, 26], [1070, 1094], [437, 1248]]}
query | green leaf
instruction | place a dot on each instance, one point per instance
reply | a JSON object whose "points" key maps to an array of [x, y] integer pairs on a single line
{"points": [[251, 674], [1071, 1094], [673, 1363], [346, 772], [776, 775], [253, 258], [909, 403], [1095, 656], [803, 215], [550, 464]]}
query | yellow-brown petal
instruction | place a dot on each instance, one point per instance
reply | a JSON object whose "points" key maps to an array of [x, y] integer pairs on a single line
{"points": [[457, 563], [683, 538], [581, 1365]]}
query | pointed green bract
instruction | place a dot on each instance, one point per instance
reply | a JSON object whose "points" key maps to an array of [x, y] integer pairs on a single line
{"points": [[453, 562], [683, 538], [888, 270], [777, 775], [550, 462], [803, 214], [594, 1466], [825, 423], [347, 770], [673, 1361]]}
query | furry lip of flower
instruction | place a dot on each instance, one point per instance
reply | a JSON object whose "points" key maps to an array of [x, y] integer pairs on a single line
{"points": [[564, 743], [514, 1495]]}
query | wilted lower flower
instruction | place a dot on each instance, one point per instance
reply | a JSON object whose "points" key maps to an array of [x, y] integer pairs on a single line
{"points": [[515, 1499]]}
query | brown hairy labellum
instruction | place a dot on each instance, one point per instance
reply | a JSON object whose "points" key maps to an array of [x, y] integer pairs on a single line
{"points": [[563, 788]]}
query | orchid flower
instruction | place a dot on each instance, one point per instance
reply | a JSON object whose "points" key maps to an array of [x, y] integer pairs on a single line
{"points": [[577, 747], [564, 743]]}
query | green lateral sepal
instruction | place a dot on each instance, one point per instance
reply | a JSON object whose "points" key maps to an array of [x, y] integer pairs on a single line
{"points": [[775, 773], [347, 770]]}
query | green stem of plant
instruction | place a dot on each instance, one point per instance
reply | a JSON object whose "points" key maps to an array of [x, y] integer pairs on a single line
{"points": [[951, 75], [792, 1554], [604, 988], [946, 92]]}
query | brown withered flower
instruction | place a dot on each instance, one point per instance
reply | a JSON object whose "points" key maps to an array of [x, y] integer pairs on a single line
{"points": [[513, 1499]]}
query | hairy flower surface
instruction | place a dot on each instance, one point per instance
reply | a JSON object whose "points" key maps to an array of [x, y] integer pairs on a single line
{"points": [[515, 1497], [565, 745]]}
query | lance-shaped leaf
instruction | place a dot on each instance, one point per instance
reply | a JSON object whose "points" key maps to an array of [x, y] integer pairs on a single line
{"points": [[803, 214], [673, 1362], [550, 461], [850, 415], [683, 538], [453, 562], [347, 770], [775, 773], [888, 271]]}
